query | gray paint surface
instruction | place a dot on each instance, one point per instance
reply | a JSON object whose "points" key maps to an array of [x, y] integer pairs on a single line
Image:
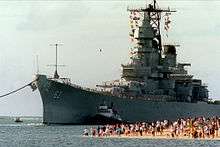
{"points": [[75, 106]]}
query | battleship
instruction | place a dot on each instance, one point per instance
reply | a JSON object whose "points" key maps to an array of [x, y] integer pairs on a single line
{"points": [[153, 85]]}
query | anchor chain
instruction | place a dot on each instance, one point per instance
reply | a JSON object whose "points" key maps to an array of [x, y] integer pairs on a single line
{"points": [[31, 84]]}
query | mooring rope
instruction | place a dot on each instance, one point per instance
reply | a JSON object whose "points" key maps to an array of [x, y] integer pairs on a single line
{"points": [[14, 91]]}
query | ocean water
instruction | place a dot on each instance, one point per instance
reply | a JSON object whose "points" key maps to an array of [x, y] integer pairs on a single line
{"points": [[32, 133]]}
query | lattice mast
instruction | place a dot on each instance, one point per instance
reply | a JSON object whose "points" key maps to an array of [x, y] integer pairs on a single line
{"points": [[154, 14]]}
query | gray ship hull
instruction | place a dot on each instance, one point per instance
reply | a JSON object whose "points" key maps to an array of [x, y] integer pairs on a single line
{"points": [[66, 104]]}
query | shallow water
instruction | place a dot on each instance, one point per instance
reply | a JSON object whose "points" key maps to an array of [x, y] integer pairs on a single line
{"points": [[32, 133]]}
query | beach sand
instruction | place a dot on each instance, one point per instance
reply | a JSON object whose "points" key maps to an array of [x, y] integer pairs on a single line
{"points": [[154, 137]]}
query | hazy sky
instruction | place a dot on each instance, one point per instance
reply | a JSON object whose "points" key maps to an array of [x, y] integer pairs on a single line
{"points": [[28, 27]]}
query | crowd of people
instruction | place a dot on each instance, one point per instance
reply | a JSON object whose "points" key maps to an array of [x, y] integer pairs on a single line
{"points": [[199, 127]]}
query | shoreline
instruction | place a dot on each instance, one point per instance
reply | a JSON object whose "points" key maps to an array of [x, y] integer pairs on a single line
{"points": [[153, 137], [199, 128]]}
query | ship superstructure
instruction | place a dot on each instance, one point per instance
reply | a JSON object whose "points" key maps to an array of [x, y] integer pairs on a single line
{"points": [[153, 72]]}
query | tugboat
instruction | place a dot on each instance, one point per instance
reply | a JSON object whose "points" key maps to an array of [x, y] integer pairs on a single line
{"points": [[108, 113], [18, 120], [104, 115]]}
